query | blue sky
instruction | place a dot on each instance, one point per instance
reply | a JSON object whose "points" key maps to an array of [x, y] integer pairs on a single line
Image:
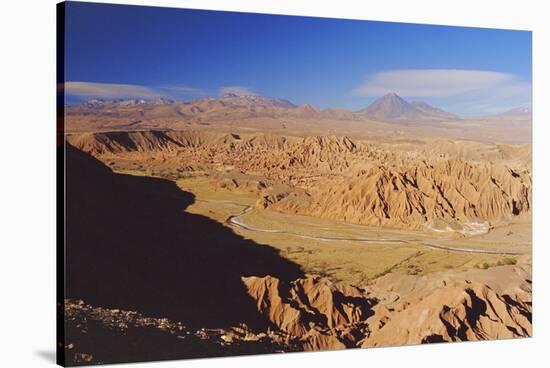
{"points": [[131, 51]]}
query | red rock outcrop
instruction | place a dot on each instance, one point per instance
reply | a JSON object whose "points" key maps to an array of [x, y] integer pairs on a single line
{"points": [[317, 312]]}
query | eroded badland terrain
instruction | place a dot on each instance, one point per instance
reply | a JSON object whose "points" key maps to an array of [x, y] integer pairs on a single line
{"points": [[246, 225]]}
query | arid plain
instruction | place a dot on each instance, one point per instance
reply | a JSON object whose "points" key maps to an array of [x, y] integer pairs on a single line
{"points": [[245, 224]]}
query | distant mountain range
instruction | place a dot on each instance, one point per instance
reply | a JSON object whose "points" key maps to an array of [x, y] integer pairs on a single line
{"points": [[120, 102], [388, 108], [518, 111], [227, 107], [258, 101], [229, 99]]}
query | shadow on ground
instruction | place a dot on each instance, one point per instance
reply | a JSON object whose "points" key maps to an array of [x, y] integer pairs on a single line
{"points": [[131, 245], [47, 355]]}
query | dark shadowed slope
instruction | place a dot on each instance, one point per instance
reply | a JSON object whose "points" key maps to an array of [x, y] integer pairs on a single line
{"points": [[130, 244]]}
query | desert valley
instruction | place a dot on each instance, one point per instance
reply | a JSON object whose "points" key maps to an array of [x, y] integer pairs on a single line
{"points": [[246, 224]]}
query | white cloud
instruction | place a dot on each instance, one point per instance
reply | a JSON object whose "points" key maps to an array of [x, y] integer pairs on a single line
{"points": [[470, 91], [237, 90], [109, 90], [433, 82]]}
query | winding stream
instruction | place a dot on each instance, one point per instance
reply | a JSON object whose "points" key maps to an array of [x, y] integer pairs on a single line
{"points": [[236, 220]]}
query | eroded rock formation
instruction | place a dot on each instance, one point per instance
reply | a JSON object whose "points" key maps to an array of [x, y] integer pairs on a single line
{"points": [[338, 178], [398, 309]]}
